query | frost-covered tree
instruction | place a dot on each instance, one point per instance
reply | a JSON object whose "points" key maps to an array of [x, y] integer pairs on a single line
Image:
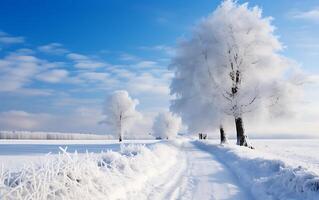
{"points": [[227, 68], [166, 125], [120, 112]]}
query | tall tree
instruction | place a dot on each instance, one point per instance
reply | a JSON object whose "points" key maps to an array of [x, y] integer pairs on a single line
{"points": [[120, 112], [228, 67]]}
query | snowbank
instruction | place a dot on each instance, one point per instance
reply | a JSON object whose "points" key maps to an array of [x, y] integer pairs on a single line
{"points": [[30, 135], [110, 175], [267, 178]]}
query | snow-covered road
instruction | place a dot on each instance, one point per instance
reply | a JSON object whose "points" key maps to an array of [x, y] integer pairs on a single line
{"points": [[197, 175]]}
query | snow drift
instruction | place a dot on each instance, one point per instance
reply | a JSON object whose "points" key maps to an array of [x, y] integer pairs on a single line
{"points": [[110, 175], [267, 178]]}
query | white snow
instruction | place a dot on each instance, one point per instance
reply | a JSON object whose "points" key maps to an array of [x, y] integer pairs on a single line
{"points": [[266, 175], [302, 152], [149, 169], [110, 175], [16, 153]]}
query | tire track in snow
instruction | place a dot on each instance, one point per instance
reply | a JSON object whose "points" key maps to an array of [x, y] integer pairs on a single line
{"points": [[197, 175], [167, 185], [209, 179]]}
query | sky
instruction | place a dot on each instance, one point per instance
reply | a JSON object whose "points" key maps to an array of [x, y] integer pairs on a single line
{"points": [[60, 59]]}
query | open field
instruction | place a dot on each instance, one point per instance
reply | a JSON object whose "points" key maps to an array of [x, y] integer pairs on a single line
{"points": [[177, 169]]}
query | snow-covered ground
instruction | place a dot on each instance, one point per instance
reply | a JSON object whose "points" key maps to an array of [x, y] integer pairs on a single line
{"points": [[15, 153], [299, 152], [271, 174], [149, 169]]}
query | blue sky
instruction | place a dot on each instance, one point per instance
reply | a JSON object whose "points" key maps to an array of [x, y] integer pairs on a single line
{"points": [[59, 59]]}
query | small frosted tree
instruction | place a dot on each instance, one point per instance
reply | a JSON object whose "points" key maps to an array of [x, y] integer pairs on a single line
{"points": [[166, 125], [120, 112], [227, 68]]}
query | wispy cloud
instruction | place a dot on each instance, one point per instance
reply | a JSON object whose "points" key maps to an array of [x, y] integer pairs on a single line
{"points": [[165, 49], [32, 72], [128, 57], [100, 80], [146, 64], [21, 120], [53, 48], [310, 15], [82, 119], [147, 83], [17, 71], [84, 62], [8, 39], [53, 76]]}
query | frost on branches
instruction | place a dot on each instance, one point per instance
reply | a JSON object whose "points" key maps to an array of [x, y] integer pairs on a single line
{"points": [[229, 67], [166, 125], [120, 112]]}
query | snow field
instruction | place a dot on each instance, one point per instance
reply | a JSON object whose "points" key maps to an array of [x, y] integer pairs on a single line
{"points": [[265, 176], [109, 175]]}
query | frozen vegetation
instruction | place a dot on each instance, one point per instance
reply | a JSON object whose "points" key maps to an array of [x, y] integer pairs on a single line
{"points": [[180, 169], [37, 135], [109, 175], [229, 72], [166, 125]]}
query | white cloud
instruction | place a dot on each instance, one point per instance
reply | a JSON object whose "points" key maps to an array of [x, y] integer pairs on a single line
{"points": [[146, 64], [53, 76], [85, 62], [81, 119], [128, 57], [8, 39], [34, 92], [95, 76], [21, 120], [18, 70], [311, 15], [147, 83], [24, 51], [78, 102], [100, 78], [165, 49], [119, 72], [53, 48]]}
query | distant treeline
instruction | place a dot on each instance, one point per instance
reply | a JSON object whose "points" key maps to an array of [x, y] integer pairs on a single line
{"points": [[30, 135]]}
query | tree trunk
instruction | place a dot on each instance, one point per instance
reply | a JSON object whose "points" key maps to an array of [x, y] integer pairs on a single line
{"points": [[223, 138], [241, 137], [120, 129], [120, 138]]}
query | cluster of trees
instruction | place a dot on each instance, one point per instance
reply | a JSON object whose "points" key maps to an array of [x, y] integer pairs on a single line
{"points": [[231, 66], [36, 135], [120, 112]]}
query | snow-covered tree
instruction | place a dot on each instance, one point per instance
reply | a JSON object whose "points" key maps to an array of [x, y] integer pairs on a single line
{"points": [[120, 112], [166, 125], [228, 67]]}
